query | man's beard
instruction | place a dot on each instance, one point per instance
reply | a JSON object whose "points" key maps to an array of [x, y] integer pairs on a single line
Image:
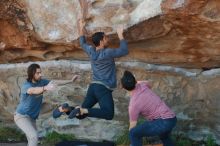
{"points": [[36, 80]]}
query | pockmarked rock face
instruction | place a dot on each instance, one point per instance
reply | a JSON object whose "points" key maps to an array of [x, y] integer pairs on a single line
{"points": [[182, 33], [192, 94]]}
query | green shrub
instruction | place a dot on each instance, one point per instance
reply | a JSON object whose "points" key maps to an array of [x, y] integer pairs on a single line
{"points": [[8, 134], [54, 137], [210, 141], [123, 139], [183, 142]]}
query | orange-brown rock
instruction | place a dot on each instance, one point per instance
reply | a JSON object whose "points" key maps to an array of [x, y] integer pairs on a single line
{"points": [[182, 33]]}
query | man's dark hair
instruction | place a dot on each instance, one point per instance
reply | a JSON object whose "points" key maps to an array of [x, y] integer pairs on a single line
{"points": [[128, 81], [97, 37], [31, 71]]}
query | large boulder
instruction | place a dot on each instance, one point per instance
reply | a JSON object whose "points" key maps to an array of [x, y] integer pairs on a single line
{"points": [[173, 32]]}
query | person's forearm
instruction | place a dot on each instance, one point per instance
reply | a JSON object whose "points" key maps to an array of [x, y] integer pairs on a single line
{"points": [[123, 47], [120, 31], [62, 82], [84, 45], [120, 36], [81, 27], [81, 32], [119, 52], [82, 40], [36, 90], [132, 125]]}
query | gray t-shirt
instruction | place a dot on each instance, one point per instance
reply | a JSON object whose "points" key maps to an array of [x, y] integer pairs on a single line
{"points": [[103, 63], [30, 105]]}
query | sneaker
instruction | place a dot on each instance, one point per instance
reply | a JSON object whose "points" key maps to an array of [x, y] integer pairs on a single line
{"points": [[80, 117], [57, 113], [74, 112]]}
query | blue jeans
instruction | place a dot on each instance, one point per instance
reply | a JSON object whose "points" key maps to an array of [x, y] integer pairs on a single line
{"points": [[159, 127], [98, 93]]}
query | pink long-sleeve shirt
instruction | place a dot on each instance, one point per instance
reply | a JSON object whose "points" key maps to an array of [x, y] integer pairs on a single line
{"points": [[146, 103]]}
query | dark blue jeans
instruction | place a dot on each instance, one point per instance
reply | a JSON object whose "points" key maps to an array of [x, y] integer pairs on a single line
{"points": [[159, 127], [98, 93]]}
